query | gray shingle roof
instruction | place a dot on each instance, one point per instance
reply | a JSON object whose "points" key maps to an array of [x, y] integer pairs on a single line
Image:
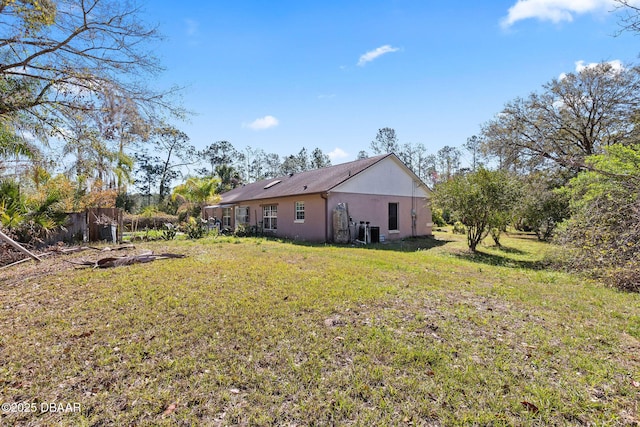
{"points": [[308, 182]]}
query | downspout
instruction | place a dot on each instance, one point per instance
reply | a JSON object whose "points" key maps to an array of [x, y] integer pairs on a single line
{"points": [[414, 206], [325, 196]]}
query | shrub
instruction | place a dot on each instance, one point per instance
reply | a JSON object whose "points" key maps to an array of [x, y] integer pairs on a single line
{"points": [[480, 200], [603, 233], [169, 231], [243, 230], [625, 279], [437, 217], [459, 228], [195, 228], [30, 219]]}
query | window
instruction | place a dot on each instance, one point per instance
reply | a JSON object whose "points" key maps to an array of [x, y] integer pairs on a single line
{"points": [[226, 217], [270, 217], [242, 215], [299, 212], [393, 217]]}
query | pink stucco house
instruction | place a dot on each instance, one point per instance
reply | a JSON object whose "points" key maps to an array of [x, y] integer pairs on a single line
{"points": [[329, 204]]}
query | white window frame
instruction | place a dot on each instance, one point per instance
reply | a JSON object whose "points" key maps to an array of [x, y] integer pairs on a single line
{"points": [[299, 212], [242, 215], [397, 229], [226, 217], [270, 217]]}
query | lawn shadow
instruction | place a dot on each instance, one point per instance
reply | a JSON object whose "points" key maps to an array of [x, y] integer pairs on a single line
{"points": [[501, 260], [508, 250], [411, 244]]}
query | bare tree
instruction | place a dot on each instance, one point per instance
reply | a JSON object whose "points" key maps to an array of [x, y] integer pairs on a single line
{"points": [[630, 18], [575, 116], [67, 57]]}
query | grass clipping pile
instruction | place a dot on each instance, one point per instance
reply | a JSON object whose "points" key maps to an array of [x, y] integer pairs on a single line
{"points": [[16, 268]]}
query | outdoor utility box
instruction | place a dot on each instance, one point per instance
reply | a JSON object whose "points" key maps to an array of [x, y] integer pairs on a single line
{"points": [[108, 232], [375, 234]]}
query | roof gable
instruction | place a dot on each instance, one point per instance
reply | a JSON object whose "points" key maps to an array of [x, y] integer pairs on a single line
{"points": [[390, 177], [308, 182]]}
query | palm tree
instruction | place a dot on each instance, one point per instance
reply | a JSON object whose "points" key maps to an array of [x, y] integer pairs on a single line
{"points": [[195, 193], [13, 145]]}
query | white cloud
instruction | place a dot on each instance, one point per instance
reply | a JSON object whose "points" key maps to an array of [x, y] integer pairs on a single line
{"points": [[373, 54], [616, 65], [192, 26], [262, 123], [553, 10], [326, 96], [337, 154]]}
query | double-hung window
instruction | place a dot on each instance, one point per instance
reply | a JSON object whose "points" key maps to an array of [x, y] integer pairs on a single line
{"points": [[270, 217], [299, 212], [242, 215], [226, 217]]}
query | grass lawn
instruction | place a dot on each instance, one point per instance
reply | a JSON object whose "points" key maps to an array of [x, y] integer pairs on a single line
{"points": [[262, 332]]}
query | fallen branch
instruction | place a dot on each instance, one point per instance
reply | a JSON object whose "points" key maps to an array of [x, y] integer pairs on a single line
{"points": [[73, 250], [108, 262], [108, 249], [17, 246]]}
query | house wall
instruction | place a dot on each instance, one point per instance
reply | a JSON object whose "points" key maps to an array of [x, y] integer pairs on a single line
{"points": [[367, 195], [311, 229], [388, 177], [375, 209]]}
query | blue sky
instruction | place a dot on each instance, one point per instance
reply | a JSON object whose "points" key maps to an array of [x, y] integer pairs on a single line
{"points": [[282, 75]]}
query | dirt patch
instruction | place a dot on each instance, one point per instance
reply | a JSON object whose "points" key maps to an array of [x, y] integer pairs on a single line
{"points": [[30, 269], [55, 260]]}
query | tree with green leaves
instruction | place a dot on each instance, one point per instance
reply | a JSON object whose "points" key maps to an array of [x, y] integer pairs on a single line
{"points": [[29, 218], [318, 159], [448, 162], [414, 156], [295, 163], [195, 193], [480, 200], [219, 153], [147, 173], [12, 145], [473, 145], [362, 154], [198, 190], [386, 141], [176, 151], [229, 178], [604, 229], [543, 206]]}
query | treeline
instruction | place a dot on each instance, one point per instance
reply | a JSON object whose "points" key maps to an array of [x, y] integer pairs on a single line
{"points": [[80, 127], [155, 174], [565, 164]]}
